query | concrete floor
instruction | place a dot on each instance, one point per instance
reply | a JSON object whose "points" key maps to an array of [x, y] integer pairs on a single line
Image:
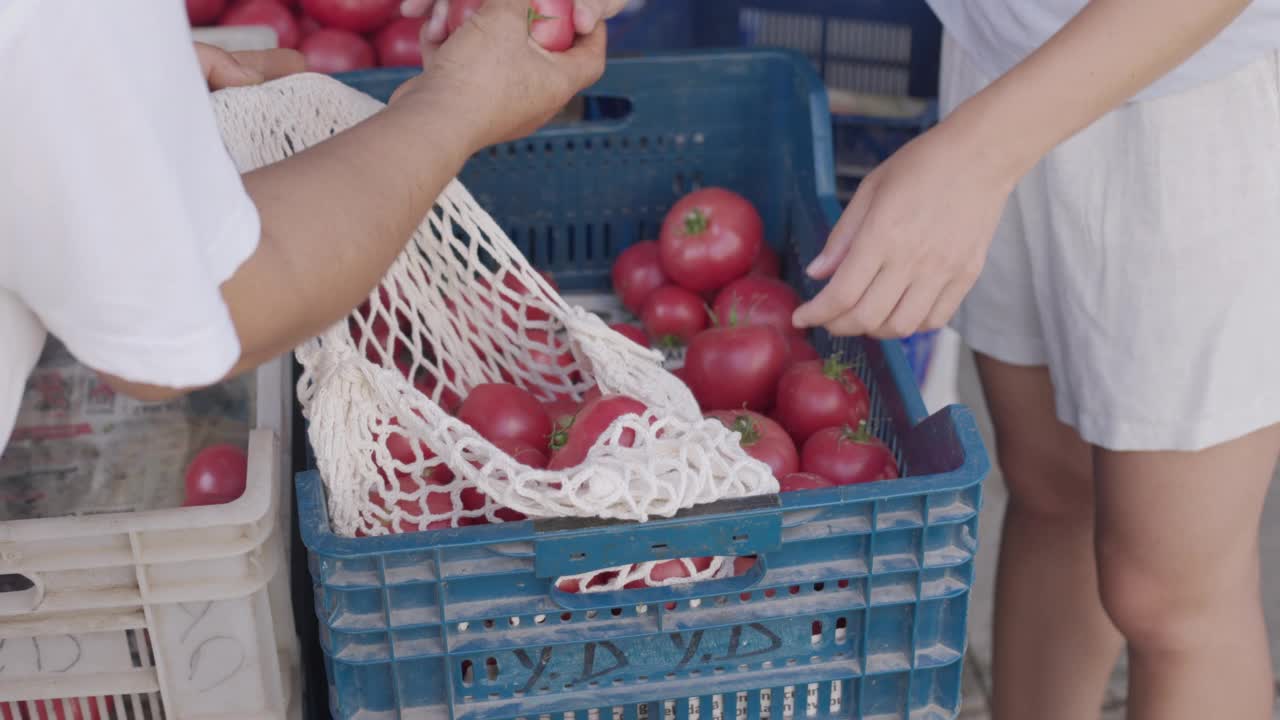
{"points": [[979, 658]]}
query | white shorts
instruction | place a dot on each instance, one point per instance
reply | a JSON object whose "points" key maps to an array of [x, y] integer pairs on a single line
{"points": [[1140, 262]]}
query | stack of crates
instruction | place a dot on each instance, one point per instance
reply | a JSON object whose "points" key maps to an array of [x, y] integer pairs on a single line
{"points": [[857, 605], [167, 613]]}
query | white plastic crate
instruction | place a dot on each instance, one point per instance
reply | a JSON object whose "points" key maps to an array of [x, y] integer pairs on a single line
{"points": [[171, 613]]}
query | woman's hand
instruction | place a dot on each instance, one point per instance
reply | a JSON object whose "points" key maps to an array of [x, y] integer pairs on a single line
{"points": [[224, 69], [912, 242], [493, 74], [586, 15]]}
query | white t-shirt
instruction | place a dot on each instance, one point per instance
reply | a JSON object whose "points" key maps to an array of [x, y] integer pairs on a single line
{"points": [[998, 34], [121, 212]]}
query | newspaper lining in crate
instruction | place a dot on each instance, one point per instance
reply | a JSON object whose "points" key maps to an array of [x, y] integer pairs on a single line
{"points": [[79, 448]]}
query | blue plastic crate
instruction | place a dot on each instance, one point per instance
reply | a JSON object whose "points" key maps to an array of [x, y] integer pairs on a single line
{"points": [[858, 602]]}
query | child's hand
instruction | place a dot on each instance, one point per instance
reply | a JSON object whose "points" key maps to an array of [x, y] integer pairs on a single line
{"points": [[492, 73], [224, 69], [911, 243], [586, 15]]}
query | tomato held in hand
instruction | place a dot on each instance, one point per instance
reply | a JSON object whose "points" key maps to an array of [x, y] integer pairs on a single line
{"points": [[632, 333], [709, 239], [504, 413], [763, 439], [846, 456], [803, 481], [570, 445], [819, 394], [551, 24], [672, 316], [329, 50], [217, 474], [204, 12], [734, 367], [755, 300], [397, 43], [266, 12], [636, 273], [357, 16]]}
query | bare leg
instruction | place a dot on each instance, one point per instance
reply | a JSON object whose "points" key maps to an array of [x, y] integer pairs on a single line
{"points": [[1054, 645], [1178, 563]]}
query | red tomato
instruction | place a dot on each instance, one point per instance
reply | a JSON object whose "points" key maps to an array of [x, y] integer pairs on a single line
{"points": [[216, 475], [767, 263], [846, 456], [459, 11], [763, 439], [632, 333], [329, 50], [756, 300], [535, 457], [437, 502], [636, 273], [673, 315], [681, 375], [571, 585], [819, 394], [397, 43], [569, 445], [801, 350], [401, 449], [357, 16], [307, 25], [561, 409], [736, 367], [551, 24], [743, 565], [803, 481], [504, 413], [516, 285], [671, 569], [205, 12], [561, 355], [709, 239], [266, 12]]}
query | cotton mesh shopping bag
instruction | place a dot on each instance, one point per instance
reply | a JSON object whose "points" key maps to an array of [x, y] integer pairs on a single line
{"points": [[461, 306]]}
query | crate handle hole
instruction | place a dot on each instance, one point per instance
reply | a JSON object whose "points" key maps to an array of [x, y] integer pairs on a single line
{"points": [[741, 538], [578, 556], [659, 546], [20, 594]]}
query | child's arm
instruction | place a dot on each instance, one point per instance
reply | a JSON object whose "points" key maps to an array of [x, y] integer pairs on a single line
{"points": [[913, 240]]}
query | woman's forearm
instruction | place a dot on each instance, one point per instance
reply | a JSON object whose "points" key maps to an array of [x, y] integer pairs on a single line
{"points": [[325, 244], [1105, 55]]}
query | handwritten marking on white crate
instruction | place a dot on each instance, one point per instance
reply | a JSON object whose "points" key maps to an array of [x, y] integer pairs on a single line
{"points": [[53, 654]]}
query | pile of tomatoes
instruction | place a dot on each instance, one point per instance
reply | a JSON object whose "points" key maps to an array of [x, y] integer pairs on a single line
{"points": [[709, 289], [710, 286], [345, 35]]}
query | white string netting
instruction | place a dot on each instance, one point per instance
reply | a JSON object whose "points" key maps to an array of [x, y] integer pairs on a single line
{"points": [[459, 307]]}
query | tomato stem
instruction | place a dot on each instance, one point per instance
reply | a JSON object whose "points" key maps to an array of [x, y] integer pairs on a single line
{"points": [[746, 427], [670, 342], [834, 368], [861, 435], [696, 222], [534, 16]]}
